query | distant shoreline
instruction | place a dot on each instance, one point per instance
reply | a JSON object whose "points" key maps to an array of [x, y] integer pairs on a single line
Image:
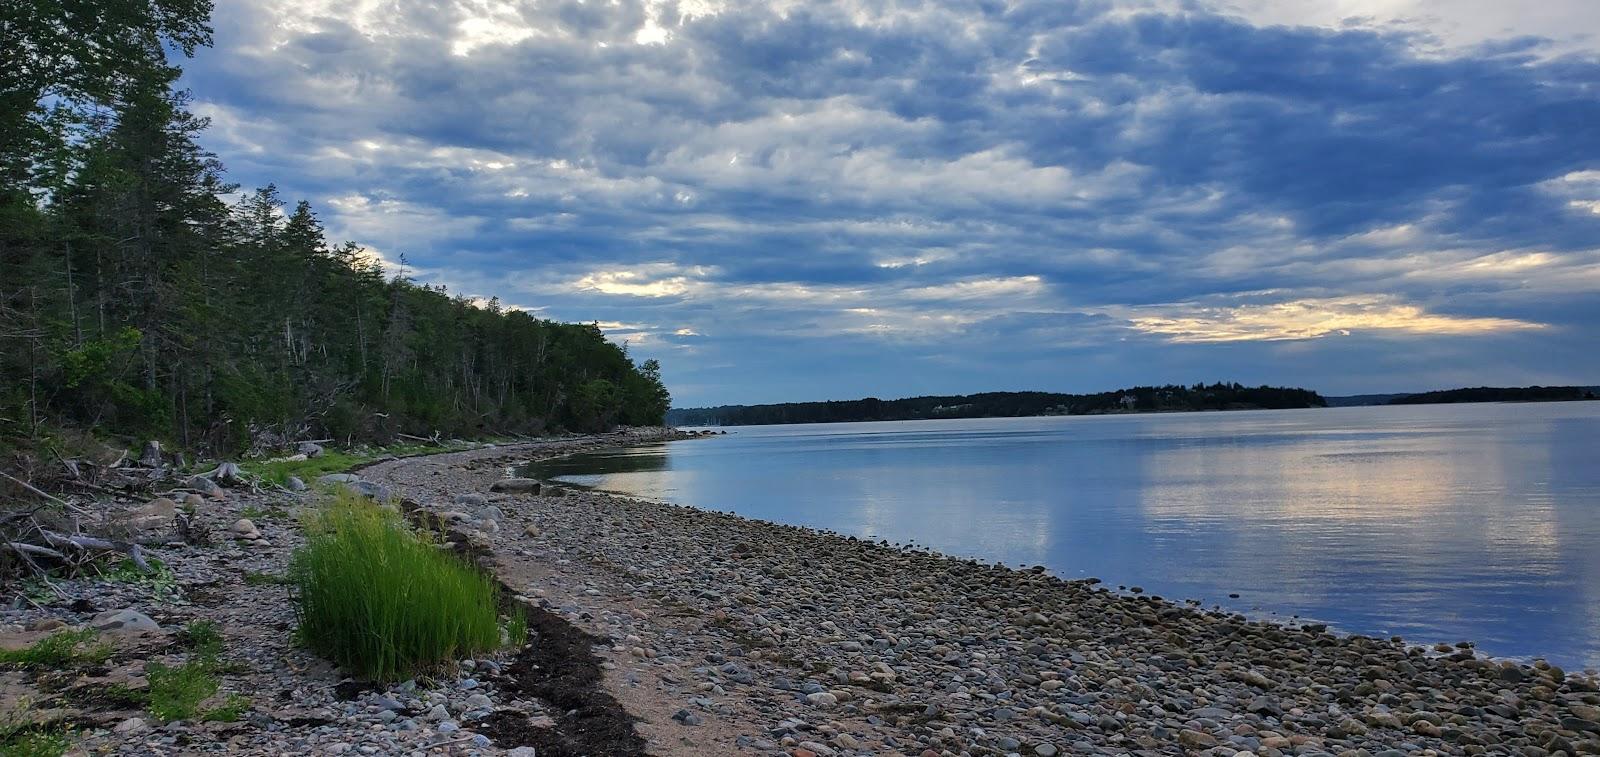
{"points": [[1134, 401], [1138, 399]]}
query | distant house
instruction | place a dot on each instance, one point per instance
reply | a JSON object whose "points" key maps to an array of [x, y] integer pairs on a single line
{"points": [[1128, 401]]}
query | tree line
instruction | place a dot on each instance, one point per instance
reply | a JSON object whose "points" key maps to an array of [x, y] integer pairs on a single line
{"points": [[1498, 394], [1169, 398], [136, 300]]}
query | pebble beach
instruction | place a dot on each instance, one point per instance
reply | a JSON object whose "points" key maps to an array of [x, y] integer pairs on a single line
{"points": [[736, 636], [670, 630]]}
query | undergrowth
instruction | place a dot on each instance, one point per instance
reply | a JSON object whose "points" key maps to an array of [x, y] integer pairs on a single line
{"points": [[383, 602]]}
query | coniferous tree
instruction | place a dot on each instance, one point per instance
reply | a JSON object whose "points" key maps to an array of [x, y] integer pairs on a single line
{"points": [[134, 302]]}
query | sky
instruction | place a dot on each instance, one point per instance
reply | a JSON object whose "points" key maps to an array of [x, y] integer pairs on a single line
{"points": [[790, 201]]}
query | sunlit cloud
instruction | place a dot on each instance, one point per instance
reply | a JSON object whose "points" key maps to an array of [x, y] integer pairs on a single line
{"points": [[648, 280], [1312, 318]]}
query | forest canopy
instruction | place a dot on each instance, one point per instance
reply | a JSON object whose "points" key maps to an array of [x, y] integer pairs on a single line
{"points": [[142, 295]]}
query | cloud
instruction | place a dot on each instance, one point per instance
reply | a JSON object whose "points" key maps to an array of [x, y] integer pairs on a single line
{"points": [[1038, 193], [1310, 319]]}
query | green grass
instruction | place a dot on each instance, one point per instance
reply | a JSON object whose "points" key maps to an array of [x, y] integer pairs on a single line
{"points": [[59, 650], [33, 742], [229, 712], [330, 461], [203, 637], [517, 629], [383, 602], [23, 736], [334, 461], [176, 692], [252, 578]]}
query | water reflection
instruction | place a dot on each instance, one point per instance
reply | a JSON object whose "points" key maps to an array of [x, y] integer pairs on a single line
{"points": [[1444, 523]]}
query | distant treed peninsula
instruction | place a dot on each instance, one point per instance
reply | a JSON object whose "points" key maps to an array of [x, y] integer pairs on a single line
{"points": [[1498, 394], [1139, 399]]}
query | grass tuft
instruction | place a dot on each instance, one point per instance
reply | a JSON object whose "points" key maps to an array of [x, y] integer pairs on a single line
{"points": [[381, 601], [229, 712], [176, 693], [204, 637], [517, 629], [34, 743], [59, 650], [22, 736]]}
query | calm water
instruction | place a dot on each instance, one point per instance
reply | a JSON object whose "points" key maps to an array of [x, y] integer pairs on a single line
{"points": [[1437, 523]]}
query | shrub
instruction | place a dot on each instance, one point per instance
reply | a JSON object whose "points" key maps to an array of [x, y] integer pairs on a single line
{"points": [[381, 601]]}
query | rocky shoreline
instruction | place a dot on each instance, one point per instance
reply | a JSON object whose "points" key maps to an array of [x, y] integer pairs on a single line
{"points": [[219, 557], [736, 636], [675, 631]]}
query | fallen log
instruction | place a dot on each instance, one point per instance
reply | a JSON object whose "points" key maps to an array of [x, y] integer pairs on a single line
{"points": [[34, 549], [86, 542]]}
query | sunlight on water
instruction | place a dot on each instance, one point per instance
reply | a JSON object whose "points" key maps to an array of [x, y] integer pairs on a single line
{"points": [[1438, 523]]}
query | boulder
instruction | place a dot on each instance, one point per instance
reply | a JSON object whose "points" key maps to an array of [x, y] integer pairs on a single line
{"points": [[245, 529], [294, 484], [207, 487], [193, 501], [131, 726], [471, 500], [378, 492], [158, 514], [124, 623], [516, 486], [338, 478], [309, 449]]}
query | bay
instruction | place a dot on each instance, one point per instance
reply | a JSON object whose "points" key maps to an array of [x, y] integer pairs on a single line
{"points": [[1437, 523]]}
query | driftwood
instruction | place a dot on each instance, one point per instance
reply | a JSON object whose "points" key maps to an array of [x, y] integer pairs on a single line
{"points": [[34, 549], [227, 474], [23, 533], [31, 488], [434, 440], [86, 543]]}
